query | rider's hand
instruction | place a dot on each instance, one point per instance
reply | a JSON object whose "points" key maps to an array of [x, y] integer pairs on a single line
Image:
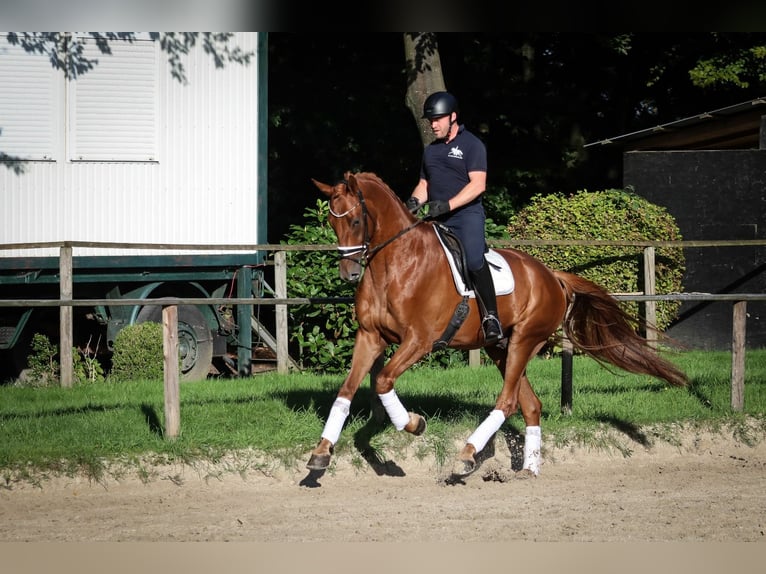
{"points": [[436, 208], [412, 203]]}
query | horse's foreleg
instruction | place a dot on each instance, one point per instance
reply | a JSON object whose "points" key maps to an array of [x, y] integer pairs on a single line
{"points": [[320, 456], [405, 357], [366, 350]]}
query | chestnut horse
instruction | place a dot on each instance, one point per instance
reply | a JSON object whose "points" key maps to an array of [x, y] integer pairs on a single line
{"points": [[406, 295]]}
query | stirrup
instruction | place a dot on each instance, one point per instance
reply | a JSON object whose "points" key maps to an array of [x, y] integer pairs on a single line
{"points": [[493, 331]]}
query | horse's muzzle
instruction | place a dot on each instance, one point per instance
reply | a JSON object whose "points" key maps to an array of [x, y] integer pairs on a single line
{"points": [[350, 271]]}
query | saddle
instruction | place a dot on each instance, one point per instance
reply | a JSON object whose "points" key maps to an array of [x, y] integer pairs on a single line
{"points": [[502, 277]]}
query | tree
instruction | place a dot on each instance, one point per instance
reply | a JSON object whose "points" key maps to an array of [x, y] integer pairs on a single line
{"points": [[424, 76], [339, 102]]}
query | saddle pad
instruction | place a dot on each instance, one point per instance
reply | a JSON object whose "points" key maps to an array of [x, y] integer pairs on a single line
{"points": [[502, 276]]}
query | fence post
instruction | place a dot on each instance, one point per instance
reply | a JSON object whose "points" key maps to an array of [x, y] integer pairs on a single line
{"points": [[280, 290], [66, 366], [650, 307], [170, 352], [244, 312], [738, 356], [566, 375]]}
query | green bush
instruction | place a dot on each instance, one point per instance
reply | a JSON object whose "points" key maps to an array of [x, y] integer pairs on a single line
{"points": [[324, 333], [43, 363], [138, 353], [615, 215]]}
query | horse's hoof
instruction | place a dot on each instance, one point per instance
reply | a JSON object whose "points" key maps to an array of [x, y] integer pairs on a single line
{"points": [[318, 462], [421, 426], [463, 467]]}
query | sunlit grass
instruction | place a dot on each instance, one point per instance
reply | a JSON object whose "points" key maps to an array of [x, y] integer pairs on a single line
{"points": [[82, 429]]}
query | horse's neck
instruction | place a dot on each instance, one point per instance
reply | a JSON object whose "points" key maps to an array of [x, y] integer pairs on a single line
{"points": [[405, 238]]}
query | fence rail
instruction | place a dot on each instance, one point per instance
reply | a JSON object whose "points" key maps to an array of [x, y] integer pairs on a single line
{"points": [[281, 302]]}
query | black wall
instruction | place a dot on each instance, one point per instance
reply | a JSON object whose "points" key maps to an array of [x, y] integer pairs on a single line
{"points": [[713, 195]]}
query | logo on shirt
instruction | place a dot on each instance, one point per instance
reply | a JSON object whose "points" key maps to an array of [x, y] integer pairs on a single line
{"points": [[455, 152]]}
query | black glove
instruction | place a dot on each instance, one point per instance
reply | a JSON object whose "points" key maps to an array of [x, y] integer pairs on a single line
{"points": [[412, 203], [436, 208]]}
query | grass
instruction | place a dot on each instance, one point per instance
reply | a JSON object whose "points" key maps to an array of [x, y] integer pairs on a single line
{"points": [[273, 419]]}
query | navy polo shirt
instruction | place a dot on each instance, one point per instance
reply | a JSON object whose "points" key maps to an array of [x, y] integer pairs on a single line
{"points": [[446, 165]]}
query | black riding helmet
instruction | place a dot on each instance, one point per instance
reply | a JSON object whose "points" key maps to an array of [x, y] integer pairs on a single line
{"points": [[439, 104]]}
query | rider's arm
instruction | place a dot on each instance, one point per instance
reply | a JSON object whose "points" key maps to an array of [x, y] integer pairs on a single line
{"points": [[474, 188], [421, 191]]}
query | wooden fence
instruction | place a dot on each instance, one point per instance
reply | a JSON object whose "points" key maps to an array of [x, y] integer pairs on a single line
{"points": [[281, 303]]}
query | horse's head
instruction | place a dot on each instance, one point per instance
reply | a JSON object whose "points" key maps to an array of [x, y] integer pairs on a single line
{"points": [[348, 218], [364, 210]]}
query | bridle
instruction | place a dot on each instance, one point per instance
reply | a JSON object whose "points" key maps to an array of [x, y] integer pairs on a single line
{"points": [[363, 251]]}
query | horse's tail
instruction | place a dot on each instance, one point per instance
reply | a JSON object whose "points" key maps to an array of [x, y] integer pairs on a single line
{"points": [[598, 326]]}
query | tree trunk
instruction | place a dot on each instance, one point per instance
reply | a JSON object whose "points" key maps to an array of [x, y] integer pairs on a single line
{"points": [[424, 76]]}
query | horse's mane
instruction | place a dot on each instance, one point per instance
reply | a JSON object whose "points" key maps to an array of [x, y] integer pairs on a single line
{"points": [[374, 178]]}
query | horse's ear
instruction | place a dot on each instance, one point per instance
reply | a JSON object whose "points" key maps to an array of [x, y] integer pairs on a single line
{"points": [[323, 187], [351, 180]]}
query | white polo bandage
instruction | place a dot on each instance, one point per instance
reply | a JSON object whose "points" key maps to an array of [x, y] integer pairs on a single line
{"points": [[338, 413], [532, 447], [395, 409], [489, 427]]}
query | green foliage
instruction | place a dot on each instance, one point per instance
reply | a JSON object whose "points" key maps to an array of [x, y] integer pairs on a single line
{"points": [[615, 215], [87, 368], [324, 333], [43, 362], [738, 68], [138, 353], [44, 368]]}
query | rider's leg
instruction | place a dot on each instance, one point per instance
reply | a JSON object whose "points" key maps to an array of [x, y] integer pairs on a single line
{"points": [[470, 231], [484, 287]]}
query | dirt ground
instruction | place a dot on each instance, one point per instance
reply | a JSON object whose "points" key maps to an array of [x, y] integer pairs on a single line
{"points": [[708, 488]]}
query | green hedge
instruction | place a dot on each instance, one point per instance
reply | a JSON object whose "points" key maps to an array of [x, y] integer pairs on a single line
{"points": [[615, 215]]}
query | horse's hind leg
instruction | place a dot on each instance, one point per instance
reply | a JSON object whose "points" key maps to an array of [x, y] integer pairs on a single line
{"points": [[531, 407], [516, 392]]}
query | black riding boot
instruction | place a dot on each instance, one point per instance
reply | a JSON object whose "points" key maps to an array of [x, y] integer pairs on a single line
{"points": [[484, 288]]}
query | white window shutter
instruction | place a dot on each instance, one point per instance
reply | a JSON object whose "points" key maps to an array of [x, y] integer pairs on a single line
{"points": [[113, 108], [29, 97]]}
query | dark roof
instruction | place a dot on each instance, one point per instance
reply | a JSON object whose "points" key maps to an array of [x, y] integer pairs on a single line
{"points": [[733, 127]]}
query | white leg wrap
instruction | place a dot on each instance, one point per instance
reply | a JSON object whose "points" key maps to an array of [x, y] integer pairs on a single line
{"points": [[532, 445], [489, 427], [334, 424], [395, 409]]}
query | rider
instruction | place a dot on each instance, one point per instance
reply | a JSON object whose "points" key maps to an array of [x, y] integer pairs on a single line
{"points": [[453, 176]]}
